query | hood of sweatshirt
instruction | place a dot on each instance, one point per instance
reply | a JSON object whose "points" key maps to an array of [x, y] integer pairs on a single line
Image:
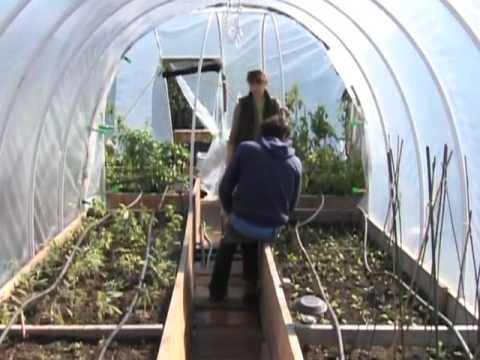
{"points": [[278, 148]]}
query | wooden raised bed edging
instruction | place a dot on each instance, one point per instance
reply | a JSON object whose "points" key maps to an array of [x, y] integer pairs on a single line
{"points": [[360, 335], [277, 324], [176, 337], [454, 310], [182, 136], [7, 289], [345, 210], [150, 201], [86, 332], [337, 209]]}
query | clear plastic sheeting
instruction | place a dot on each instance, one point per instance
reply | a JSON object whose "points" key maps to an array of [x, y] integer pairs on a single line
{"points": [[414, 69], [161, 115], [134, 85], [306, 63], [300, 60]]}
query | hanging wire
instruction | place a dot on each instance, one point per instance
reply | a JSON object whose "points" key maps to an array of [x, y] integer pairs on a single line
{"points": [[231, 21]]}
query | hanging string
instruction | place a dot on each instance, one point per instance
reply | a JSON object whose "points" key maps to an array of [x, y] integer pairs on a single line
{"points": [[231, 21]]}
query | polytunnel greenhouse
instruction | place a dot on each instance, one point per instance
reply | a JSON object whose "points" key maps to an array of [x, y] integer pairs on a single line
{"points": [[116, 126]]}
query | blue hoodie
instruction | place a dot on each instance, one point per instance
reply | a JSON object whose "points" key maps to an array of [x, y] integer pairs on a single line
{"points": [[262, 183]]}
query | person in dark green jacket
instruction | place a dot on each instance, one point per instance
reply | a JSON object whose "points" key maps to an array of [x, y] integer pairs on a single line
{"points": [[251, 111]]}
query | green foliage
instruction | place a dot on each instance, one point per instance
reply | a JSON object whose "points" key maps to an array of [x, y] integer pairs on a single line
{"points": [[105, 306], [5, 313], [137, 162], [164, 246], [326, 172], [358, 297], [321, 128], [294, 102], [105, 271], [324, 168], [181, 111]]}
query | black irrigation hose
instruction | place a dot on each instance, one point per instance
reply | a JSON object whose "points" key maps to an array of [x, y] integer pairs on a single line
{"points": [[140, 285], [76, 247], [336, 324], [133, 304], [422, 301]]}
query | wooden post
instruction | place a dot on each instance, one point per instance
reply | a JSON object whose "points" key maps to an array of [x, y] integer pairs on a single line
{"points": [[277, 324], [86, 332], [382, 335], [176, 336]]}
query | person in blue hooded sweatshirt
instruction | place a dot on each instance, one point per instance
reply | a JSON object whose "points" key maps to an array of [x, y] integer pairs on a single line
{"points": [[258, 192]]}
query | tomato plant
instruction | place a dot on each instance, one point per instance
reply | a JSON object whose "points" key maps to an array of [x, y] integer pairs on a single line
{"points": [[104, 273], [136, 161], [325, 168]]}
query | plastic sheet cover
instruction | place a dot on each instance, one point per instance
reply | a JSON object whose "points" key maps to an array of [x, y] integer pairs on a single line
{"points": [[305, 64], [414, 70]]}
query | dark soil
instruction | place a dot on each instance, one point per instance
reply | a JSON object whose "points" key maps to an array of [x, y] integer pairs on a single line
{"points": [[358, 297], [101, 283], [63, 350]]}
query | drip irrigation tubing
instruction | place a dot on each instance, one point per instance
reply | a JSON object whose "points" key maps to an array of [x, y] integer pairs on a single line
{"points": [[140, 285], [318, 282], [76, 247]]}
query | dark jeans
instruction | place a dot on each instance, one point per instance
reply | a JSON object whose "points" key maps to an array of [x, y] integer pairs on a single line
{"points": [[224, 258]]}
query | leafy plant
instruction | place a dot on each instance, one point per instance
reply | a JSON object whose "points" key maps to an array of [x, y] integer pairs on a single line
{"points": [[138, 162], [105, 306], [56, 313], [180, 109], [325, 168], [163, 267], [105, 271], [5, 313], [357, 295]]}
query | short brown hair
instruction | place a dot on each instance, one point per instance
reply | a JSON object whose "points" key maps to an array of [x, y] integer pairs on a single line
{"points": [[276, 126], [257, 76]]}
